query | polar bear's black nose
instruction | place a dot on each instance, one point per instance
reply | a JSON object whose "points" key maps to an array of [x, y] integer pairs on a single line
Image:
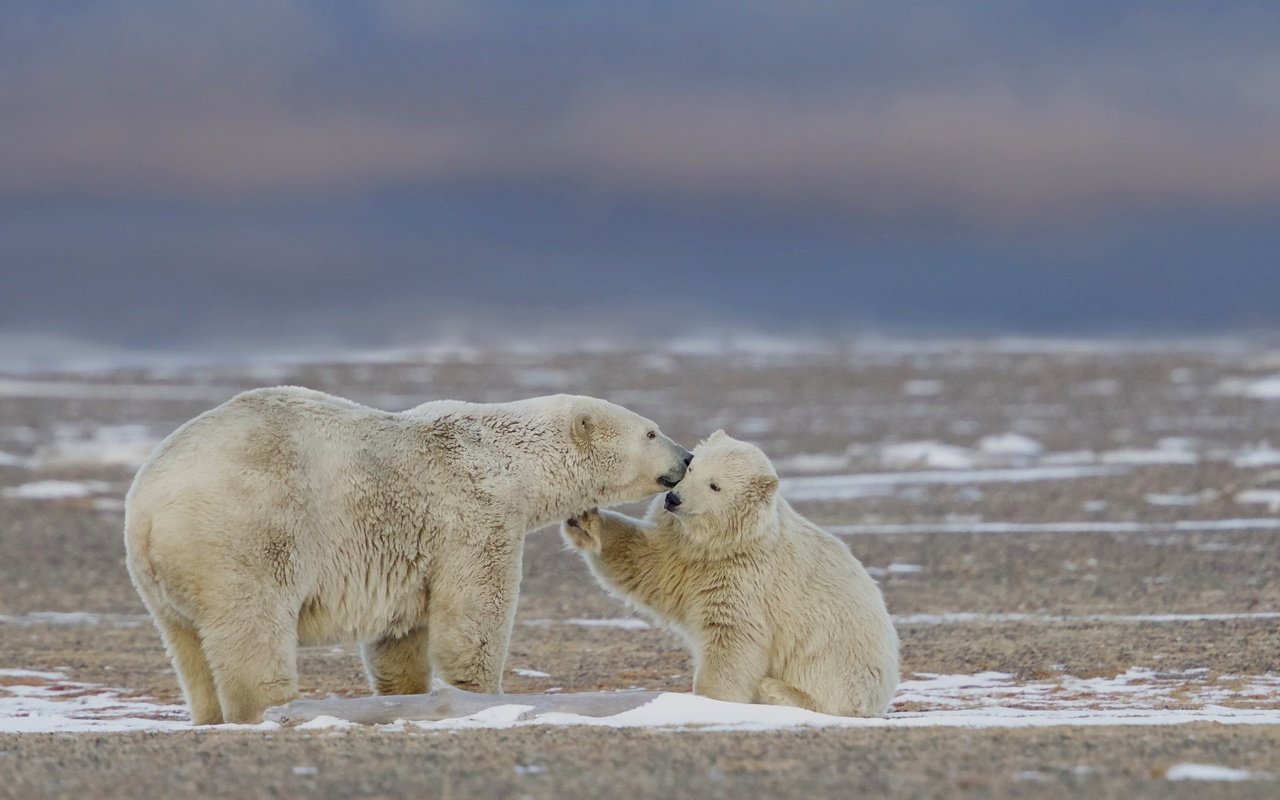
{"points": [[688, 459], [672, 502]]}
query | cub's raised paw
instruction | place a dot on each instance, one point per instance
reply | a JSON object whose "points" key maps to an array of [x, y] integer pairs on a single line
{"points": [[579, 531]]}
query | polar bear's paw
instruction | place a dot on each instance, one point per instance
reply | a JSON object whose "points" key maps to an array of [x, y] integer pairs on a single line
{"points": [[581, 531]]}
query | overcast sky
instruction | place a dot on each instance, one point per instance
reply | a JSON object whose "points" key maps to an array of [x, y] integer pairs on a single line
{"points": [[174, 172]]}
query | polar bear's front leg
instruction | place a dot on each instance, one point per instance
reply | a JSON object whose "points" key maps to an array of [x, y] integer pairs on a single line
{"points": [[398, 665], [471, 611], [626, 557]]}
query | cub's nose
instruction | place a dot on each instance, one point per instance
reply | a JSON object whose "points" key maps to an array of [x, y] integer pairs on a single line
{"points": [[672, 502]]}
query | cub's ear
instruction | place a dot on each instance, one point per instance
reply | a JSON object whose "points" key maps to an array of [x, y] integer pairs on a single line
{"points": [[715, 437], [582, 428], [765, 487]]}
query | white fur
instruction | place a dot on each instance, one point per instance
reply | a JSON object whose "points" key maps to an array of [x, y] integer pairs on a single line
{"points": [[289, 516], [775, 609]]}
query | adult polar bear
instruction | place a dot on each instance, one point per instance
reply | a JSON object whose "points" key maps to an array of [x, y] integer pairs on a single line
{"points": [[288, 516]]}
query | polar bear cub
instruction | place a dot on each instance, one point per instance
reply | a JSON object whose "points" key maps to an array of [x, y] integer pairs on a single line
{"points": [[775, 610]]}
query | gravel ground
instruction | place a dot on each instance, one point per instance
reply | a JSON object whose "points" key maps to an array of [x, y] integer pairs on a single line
{"points": [[1176, 426], [558, 763]]}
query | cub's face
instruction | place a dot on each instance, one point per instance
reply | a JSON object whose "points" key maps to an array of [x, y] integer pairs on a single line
{"points": [[727, 482], [629, 456]]}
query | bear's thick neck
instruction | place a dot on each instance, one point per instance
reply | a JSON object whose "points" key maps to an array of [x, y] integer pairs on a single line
{"points": [[569, 489], [533, 476]]}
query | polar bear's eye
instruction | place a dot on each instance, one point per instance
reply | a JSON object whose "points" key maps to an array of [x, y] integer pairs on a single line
{"points": [[652, 434], [715, 488]]}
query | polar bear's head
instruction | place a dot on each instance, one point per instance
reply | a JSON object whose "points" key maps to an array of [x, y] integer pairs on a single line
{"points": [[730, 485], [625, 456]]}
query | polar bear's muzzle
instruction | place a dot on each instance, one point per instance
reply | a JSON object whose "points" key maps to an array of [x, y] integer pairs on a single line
{"points": [[674, 475]]}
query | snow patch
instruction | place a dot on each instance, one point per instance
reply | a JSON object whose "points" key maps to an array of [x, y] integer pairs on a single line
{"points": [[1010, 444], [967, 617], [985, 700], [14, 460], [31, 673], [1172, 450], [1267, 497], [933, 455], [503, 716], [1180, 526], [1174, 499], [1137, 688], [125, 445], [621, 623], [326, 723], [1069, 457], [1261, 455], [1206, 772], [812, 462], [625, 623], [1257, 389], [894, 569], [46, 702], [56, 490]]}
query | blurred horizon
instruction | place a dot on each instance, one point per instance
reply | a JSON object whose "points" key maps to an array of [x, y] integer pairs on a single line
{"points": [[236, 176]]}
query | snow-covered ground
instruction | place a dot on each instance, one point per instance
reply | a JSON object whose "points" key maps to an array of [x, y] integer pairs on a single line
{"points": [[56, 490], [1069, 527], [46, 702], [1210, 772]]}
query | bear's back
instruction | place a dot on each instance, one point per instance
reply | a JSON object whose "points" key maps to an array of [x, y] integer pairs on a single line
{"points": [[823, 565], [266, 432]]}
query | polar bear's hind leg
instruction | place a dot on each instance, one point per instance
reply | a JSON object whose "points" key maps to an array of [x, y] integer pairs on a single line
{"points": [[776, 693], [253, 655], [183, 645]]}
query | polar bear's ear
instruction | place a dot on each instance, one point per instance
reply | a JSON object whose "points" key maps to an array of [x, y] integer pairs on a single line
{"points": [[581, 428], [717, 436], [765, 487]]}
